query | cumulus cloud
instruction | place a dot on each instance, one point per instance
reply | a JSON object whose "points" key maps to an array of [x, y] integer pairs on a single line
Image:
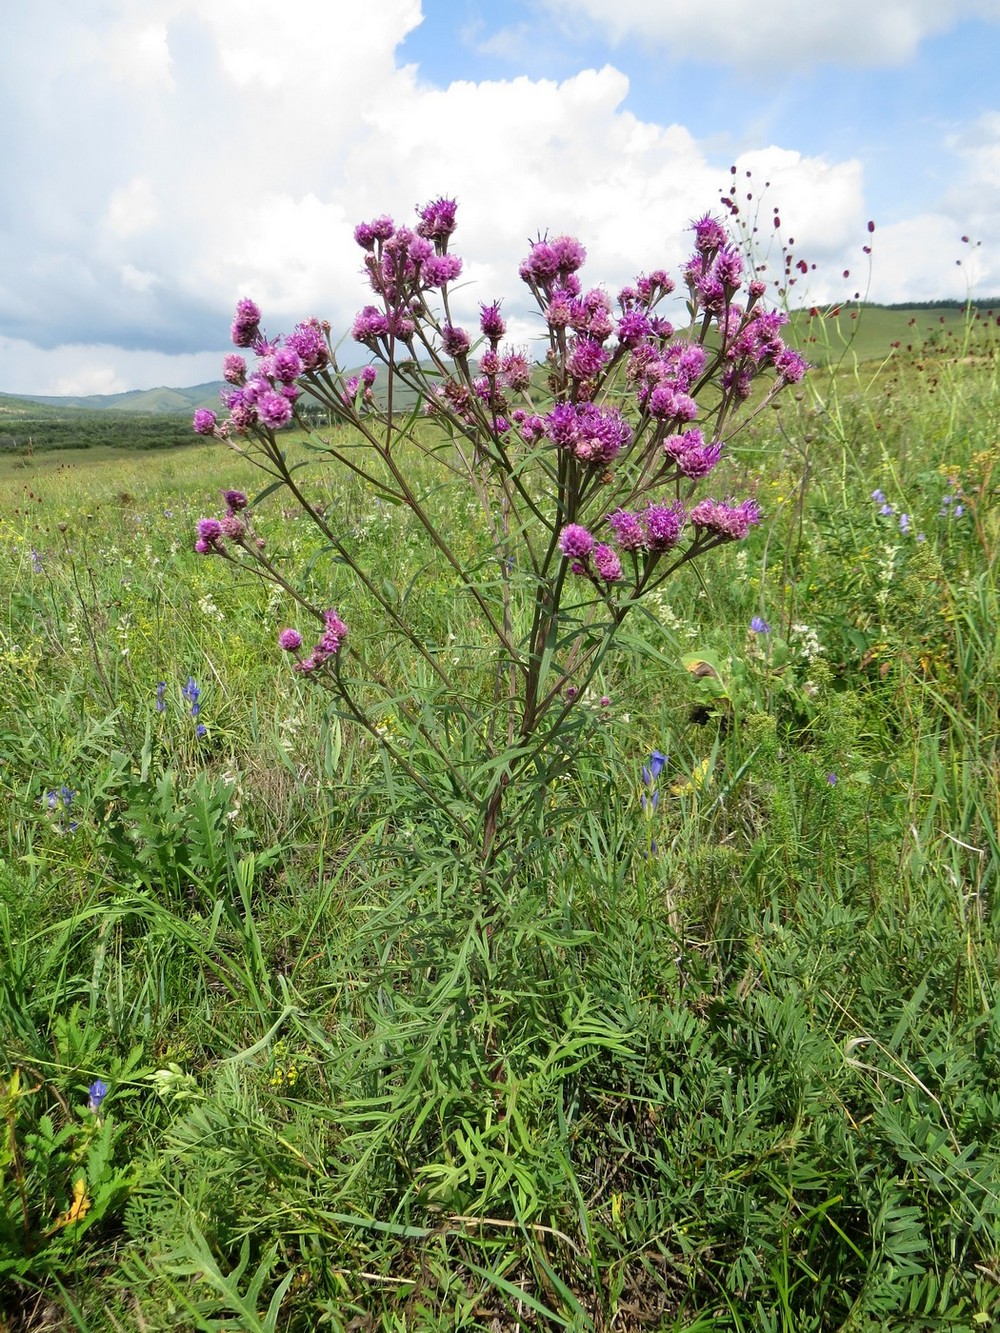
{"points": [[780, 34]]}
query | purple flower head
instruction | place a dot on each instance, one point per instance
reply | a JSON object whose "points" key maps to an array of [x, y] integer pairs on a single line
{"points": [[607, 564], [904, 523], [439, 270], [370, 324], [831, 779], [201, 730], [516, 371], [234, 368], [569, 253], [209, 535], [790, 365], [726, 520], [491, 322], [530, 426], [290, 640], [696, 458], [455, 341], [668, 403], [161, 690], [729, 268], [286, 365], [709, 234], [236, 500], [559, 311], [191, 693], [663, 524], [587, 359], [96, 1094], [368, 376], [308, 342], [879, 497], [575, 542], [204, 422], [759, 625], [540, 266], [652, 770], [275, 410], [629, 532], [633, 328], [591, 315], [594, 434], [419, 251], [437, 219], [379, 229], [245, 329]]}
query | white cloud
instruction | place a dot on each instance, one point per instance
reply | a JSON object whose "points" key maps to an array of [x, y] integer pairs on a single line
{"points": [[82, 368], [137, 280], [781, 33], [133, 208]]}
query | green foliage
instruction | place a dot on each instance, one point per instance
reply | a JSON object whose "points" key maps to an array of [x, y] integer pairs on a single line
{"points": [[726, 1060]]}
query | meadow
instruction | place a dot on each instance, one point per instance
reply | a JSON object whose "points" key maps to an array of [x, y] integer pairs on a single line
{"points": [[725, 1057]]}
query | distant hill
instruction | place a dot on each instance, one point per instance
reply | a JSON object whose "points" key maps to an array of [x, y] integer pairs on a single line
{"points": [[157, 402]]}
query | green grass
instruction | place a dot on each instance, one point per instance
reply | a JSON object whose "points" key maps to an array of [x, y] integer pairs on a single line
{"points": [[726, 1064]]}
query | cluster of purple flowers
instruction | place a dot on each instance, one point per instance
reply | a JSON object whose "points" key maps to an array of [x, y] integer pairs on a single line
{"points": [[191, 694], [655, 530], [328, 645], [58, 803], [590, 557], [592, 434], [266, 396], [403, 264], [903, 519], [211, 531], [608, 455]]}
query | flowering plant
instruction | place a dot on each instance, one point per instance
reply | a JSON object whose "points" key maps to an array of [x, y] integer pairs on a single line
{"points": [[584, 469]]}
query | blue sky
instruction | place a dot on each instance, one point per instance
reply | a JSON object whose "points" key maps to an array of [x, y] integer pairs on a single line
{"points": [[165, 157]]}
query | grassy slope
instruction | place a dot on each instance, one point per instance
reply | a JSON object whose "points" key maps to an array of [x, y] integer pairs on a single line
{"points": [[744, 1080]]}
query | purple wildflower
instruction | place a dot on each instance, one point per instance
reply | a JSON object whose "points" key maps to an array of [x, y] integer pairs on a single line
{"points": [[516, 371], [628, 530], [663, 525], [439, 270], [455, 341], [307, 340], [607, 564], [759, 625], [286, 365], [96, 1094], [209, 536], [587, 359], [492, 323], [575, 542], [234, 368], [245, 329], [290, 640], [275, 410], [370, 324], [236, 500], [437, 219], [204, 421]]}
